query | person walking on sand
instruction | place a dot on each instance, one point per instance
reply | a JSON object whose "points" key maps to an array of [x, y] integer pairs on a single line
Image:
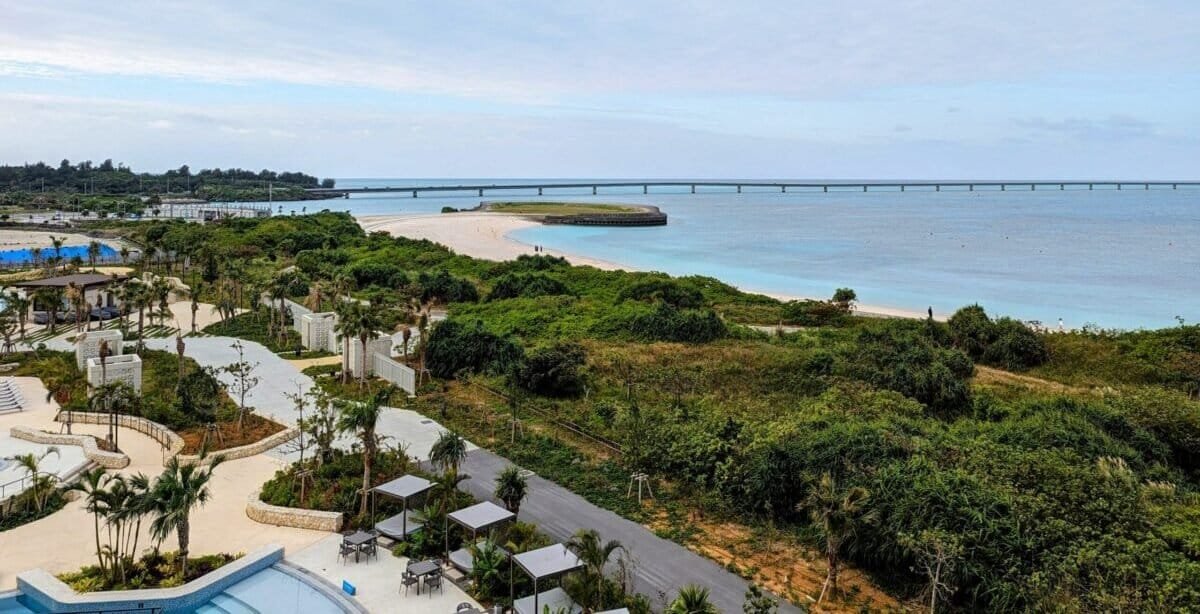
{"points": [[1061, 328], [931, 312]]}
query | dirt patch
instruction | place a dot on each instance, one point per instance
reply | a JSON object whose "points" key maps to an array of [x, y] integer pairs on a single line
{"points": [[781, 563], [990, 376], [255, 428]]}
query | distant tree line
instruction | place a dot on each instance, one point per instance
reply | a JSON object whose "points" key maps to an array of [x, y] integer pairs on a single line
{"points": [[108, 178]]}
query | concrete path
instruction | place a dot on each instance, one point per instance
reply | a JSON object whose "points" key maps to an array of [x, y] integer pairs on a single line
{"points": [[662, 566]]}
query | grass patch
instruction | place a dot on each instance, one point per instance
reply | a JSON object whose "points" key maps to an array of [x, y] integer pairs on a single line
{"points": [[252, 326]]}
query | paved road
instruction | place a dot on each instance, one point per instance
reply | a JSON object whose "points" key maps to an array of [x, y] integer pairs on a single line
{"points": [[662, 565]]}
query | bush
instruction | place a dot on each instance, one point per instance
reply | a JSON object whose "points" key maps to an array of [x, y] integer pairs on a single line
{"points": [[814, 313], [667, 323], [971, 330], [375, 273], [665, 290], [899, 358], [526, 285], [453, 348], [553, 371], [444, 287], [1015, 346]]}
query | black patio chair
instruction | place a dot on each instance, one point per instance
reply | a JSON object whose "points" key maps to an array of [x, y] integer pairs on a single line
{"points": [[432, 582], [408, 580], [345, 550]]}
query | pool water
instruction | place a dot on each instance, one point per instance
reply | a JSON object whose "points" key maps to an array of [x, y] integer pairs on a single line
{"points": [[23, 256], [269, 591]]}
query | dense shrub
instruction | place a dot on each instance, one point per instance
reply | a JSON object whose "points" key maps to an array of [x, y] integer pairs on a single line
{"points": [[528, 263], [454, 348], [900, 358], [664, 289], [553, 371], [527, 285], [1014, 346], [446, 288], [971, 330], [376, 273], [667, 323], [814, 313]]}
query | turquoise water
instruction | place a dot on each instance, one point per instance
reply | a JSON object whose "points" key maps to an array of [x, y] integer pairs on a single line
{"points": [[270, 591], [1127, 259], [23, 256]]}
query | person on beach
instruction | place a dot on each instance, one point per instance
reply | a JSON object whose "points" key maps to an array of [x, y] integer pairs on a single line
{"points": [[1061, 328], [930, 312]]}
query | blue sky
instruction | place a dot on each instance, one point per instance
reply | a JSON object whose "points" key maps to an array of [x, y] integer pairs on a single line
{"points": [[792, 89]]}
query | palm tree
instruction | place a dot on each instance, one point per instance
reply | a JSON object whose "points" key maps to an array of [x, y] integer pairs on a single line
{"points": [[316, 295], [74, 295], [91, 485], [448, 452], [364, 321], [93, 253], [20, 305], [40, 483], [511, 488], [51, 300], [124, 253], [179, 489], [160, 290], [692, 599], [837, 515], [594, 553], [487, 569], [57, 244], [344, 328], [360, 418], [35, 257]]}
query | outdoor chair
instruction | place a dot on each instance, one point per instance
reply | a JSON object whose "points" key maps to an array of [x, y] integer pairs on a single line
{"points": [[464, 606], [408, 580], [345, 550], [371, 549], [432, 582]]}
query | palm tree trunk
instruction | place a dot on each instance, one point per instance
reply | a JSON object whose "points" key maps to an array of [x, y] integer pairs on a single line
{"points": [[362, 375], [184, 531], [368, 460]]}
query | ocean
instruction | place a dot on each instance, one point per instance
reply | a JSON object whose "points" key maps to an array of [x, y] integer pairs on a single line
{"points": [[1109, 258]]}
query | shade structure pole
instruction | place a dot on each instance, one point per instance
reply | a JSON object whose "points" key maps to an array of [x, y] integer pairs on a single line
{"points": [[404, 520], [535, 588]]}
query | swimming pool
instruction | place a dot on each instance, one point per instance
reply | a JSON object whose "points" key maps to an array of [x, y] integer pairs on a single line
{"points": [[24, 256], [271, 591], [278, 589]]}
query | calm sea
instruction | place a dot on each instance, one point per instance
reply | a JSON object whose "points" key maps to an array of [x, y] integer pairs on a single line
{"points": [[1126, 259]]}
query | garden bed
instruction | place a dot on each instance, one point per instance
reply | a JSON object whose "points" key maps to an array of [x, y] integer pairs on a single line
{"points": [[256, 428], [154, 570]]}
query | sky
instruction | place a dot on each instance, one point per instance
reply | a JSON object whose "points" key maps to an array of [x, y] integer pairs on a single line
{"points": [[916, 89]]}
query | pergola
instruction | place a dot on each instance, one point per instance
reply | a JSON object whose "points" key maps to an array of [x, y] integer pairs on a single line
{"points": [[553, 560], [476, 518], [403, 488]]}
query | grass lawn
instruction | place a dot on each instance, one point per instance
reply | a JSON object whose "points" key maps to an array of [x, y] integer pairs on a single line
{"points": [[550, 208]]}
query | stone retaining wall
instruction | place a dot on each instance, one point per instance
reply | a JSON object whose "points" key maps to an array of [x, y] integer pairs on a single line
{"points": [[108, 460], [250, 449], [260, 511]]}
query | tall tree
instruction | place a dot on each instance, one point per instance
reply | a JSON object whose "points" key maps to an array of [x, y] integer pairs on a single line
{"points": [[93, 253], [511, 488], [361, 418], [50, 299], [837, 515], [20, 304], [594, 553], [179, 489]]}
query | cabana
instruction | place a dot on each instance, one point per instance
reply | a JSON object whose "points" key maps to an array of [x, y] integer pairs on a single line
{"points": [[476, 518], [553, 560], [406, 487]]}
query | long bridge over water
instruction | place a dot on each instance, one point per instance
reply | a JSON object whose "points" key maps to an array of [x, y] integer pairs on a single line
{"points": [[595, 186]]}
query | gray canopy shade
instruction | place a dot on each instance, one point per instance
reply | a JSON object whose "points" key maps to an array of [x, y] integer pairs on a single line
{"points": [[556, 599], [404, 487], [552, 560], [616, 611], [481, 516]]}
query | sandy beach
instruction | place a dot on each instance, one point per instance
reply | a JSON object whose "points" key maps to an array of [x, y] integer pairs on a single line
{"points": [[27, 239], [487, 236]]}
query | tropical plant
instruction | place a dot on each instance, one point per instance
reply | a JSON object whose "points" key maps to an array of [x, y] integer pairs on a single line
{"points": [[837, 515], [488, 570], [244, 380], [511, 488], [50, 299], [594, 553], [180, 488], [20, 304], [692, 599], [93, 253], [40, 483], [361, 418], [91, 485]]}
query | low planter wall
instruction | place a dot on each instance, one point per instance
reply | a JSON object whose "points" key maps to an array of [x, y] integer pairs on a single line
{"points": [[163, 435], [52, 595], [250, 449], [261, 511], [108, 460]]}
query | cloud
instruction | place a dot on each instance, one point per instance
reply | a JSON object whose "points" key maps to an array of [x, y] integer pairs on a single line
{"points": [[1112, 128], [160, 124]]}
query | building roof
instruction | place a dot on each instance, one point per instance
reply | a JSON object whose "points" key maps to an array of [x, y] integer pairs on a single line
{"points": [[549, 561], [481, 515], [404, 487], [82, 280]]}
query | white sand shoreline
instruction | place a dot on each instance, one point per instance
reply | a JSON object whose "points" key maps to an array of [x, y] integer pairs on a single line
{"points": [[488, 236], [11, 239]]}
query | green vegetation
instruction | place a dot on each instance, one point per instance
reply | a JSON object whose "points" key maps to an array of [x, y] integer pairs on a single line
{"points": [[552, 208], [153, 570], [909, 449], [107, 187]]}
